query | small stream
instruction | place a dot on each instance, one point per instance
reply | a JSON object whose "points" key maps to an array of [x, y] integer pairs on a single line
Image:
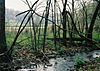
{"points": [[66, 63], [58, 64]]}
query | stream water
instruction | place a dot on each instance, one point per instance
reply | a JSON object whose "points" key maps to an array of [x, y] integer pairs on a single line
{"points": [[66, 63]]}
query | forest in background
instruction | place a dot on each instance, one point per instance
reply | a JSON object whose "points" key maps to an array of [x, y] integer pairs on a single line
{"points": [[38, 37]]}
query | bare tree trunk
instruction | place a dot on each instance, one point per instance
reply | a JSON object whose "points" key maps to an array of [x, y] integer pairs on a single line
{"points": [[46, 23], [90, 30], [64, 22], [3, 46], [72, 27]]}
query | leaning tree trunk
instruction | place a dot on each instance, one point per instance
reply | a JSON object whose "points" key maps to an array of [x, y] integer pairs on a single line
{"points": [[90, 30], [3, 46]]}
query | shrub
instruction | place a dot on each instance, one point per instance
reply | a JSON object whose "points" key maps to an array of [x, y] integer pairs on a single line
{"points": [[79, 61]]}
